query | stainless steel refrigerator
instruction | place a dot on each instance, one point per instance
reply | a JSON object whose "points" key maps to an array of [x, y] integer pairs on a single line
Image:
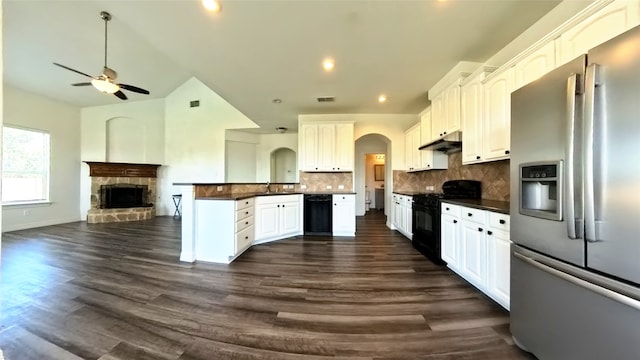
{"points": [[575, 207]]}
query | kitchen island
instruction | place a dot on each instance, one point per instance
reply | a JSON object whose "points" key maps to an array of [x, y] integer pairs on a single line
{"points": [[221, 221]]}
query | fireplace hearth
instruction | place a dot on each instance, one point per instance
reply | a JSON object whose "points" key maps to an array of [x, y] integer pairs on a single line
{"points": [[121, 196]]}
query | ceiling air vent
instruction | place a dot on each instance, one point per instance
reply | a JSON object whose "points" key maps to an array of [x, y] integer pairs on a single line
{"points": [[324, 99]]}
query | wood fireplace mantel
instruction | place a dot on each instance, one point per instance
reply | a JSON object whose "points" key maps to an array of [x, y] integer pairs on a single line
{"points": [[112, 169]]}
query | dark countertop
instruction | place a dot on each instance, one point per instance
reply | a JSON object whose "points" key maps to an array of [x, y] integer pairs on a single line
{"points": [[227, 183], [241, 196], [482, 204], [410, 193]]}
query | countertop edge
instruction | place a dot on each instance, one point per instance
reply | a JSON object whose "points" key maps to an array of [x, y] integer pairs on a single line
{"points": [[242, 196], [497, 206]]}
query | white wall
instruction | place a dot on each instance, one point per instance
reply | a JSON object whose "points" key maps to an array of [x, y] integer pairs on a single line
{"points": [[195, 138], [268, 143], [106, 128], [240, 156], [283, 166], [1, 103], [62, 121]]}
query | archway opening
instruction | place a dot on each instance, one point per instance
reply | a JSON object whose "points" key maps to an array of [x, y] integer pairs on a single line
{"points": [[283, 166]]}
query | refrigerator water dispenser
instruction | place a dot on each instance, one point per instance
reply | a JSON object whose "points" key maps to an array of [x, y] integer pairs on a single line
{"points": [[541, 190]]}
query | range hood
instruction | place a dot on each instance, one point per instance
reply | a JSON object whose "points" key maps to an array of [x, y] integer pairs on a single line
{"points": [[449, 144]]}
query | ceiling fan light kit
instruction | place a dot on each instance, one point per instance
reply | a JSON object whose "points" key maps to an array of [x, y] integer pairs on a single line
{"points": [[105, 83]]}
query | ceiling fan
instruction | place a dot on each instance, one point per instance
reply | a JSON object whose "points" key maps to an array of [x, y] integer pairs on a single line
{"points": [[106, 81]]}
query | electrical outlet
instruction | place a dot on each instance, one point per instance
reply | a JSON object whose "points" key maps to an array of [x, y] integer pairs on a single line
{"points": [[340, 187], [219, 188], [26, 213], [303, 186], [430, 188], [329, 187]]}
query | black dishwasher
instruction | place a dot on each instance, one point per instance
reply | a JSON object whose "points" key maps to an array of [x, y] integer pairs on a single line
{"points": [[318, 214]]}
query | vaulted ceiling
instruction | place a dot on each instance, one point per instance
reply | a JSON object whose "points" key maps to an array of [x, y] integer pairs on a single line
{"points": [[255, 51]]}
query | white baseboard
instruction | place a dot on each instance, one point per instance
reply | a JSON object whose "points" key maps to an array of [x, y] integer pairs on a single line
{"points": [[37, 224]]}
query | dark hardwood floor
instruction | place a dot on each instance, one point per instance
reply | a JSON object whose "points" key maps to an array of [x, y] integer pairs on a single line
{"points": [[118, 291]]}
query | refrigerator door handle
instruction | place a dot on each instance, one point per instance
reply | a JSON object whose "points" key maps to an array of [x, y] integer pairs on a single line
{"points": [[581, 283], [570, 193], [591, 81]]}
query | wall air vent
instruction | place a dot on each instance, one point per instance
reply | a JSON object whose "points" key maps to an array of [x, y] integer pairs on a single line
{"points": [[324, 99], [194, 103]]}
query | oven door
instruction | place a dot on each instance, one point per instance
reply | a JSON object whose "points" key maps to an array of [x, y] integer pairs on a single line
{"points": [[426, 230]]}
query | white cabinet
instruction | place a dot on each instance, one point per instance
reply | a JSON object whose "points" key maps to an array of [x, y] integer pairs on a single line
{"points": [[223, 229], [446, 111], [450, 235], [476, 245], [344, 215], [497, 116], [612, 20], [419, 160], [277, 217], [402, 214], [471, 99], [473, 241], [326, 147], [535, 65]]}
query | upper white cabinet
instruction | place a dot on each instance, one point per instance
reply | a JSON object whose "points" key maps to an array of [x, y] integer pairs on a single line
{"points": [[612, 20], [445, 117], [418, 160], [497, 116], [326, 147], [472, 101], [535, 65], [412, 141]]}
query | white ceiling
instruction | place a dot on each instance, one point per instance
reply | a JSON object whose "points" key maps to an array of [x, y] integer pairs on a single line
{"points": [[258, 50]]}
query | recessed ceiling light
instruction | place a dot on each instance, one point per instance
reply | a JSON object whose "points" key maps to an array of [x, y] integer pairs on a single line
{"points": [[382, 98], [212, 5], [276, 101], [328, 64]]}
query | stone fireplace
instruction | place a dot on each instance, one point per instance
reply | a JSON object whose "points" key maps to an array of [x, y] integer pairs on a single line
{"points": [[122, 192]]}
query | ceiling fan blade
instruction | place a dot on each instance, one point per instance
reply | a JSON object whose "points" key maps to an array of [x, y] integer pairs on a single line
{"points": [[81, 84], [74, 70], [134, 89], [120, 94]]}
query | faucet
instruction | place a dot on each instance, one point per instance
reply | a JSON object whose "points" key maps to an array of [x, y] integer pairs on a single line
{"points": [[268, 187]]}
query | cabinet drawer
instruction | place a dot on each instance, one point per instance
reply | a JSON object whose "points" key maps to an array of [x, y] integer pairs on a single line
{"points": [[449, 209], [343, 198], [499, 221], [244, 203], [243, 213], [244, 238], [475, 215], [244, 223]]}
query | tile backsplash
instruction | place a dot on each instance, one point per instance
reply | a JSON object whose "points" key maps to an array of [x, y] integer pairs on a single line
{"points": [[319, 181], [493, 175]]}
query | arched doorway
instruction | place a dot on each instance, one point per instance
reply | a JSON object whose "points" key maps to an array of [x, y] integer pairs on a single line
{"points": [[372, 150], [283, 166]]}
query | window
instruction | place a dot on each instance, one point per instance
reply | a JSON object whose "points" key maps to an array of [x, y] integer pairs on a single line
{"points": [[25, 165]]}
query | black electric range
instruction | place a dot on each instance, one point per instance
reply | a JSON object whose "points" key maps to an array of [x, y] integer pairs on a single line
{"points": [[426, 215]]}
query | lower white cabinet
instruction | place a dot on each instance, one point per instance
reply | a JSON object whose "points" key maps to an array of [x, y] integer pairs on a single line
{"points": [[476, 245], [277, 217], [344, 215], [223, 229], [402, 214]]}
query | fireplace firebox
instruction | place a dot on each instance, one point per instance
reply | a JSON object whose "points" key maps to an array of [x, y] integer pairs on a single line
{"points": [[118, 196]]}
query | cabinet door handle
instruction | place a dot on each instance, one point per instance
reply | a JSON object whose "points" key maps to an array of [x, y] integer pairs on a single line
{"points": [[278, 205], [469, 214], [506, 152], [478, 157], [489, 232], [440, 134], [246, 203], [445, 133], [246, 237], [480, 229], [246, 223], [447, 209], [455, 221], [246, 213], [282, 205], [502, 222]]}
